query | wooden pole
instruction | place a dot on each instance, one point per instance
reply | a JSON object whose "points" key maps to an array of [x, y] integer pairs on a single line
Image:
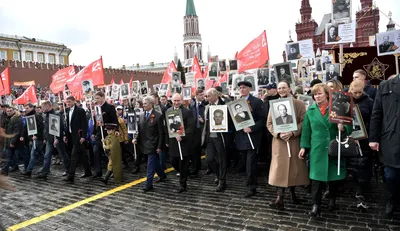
{"points": [[396, 57], [341, 59]]}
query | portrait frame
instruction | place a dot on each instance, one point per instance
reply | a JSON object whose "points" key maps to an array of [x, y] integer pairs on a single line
{"points": [[238, 121], [324, 61], [223, 127], [307, 100], [277, 121], [393, 46], [236, 78], [156, 88], [31, 127], [127, 94], [132, 123], [176, 77], [201, 83], [340, 107], [190, 79], [115, 89], [345, 33], [263, 76], [272, 75], [336, 70], [233, 65], [88, 89], [287, 66], [164, 87], [54, 130], [336, 17], [222, 65], [304, 50], [211, 73], [187, 93], [98, 114], [361, 132], [136, 87], [175, 129]]}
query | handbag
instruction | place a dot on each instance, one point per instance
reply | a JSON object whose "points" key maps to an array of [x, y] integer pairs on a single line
{"points": [[348, 148]]}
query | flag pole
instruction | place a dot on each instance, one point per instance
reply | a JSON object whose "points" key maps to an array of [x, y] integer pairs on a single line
{"points": [[396, 58], [180, 149]]}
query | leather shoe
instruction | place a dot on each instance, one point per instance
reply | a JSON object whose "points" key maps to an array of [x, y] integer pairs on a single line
{"points": [[97, 175], [221, 187], [14, 169], [250, 193], [69, 180], [180, 190], [160, 179], [147, 189], [41, 176], [26, 173], [208, 172], [216, 181], [86, 175], [65, 174], [315, 211]]}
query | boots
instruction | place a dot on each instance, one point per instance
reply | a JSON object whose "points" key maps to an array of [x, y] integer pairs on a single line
{"points": [[390, 203], [106, 177], [315, 211], [293, 195], [278, 203]]}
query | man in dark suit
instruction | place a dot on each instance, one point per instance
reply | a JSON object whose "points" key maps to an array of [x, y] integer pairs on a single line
{"points": [[331, 73], [216, 143], [109, 116], [76, 130], [197, 108], [243, 145], [284, 117], [386, 46], [241, 115], [181, 165], [151, 138]]}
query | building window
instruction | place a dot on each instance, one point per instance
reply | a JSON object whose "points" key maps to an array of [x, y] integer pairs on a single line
{"points": [[51, 59], [16, 55], [40, 57], [62, 62], [28, 56], [3, 54]]}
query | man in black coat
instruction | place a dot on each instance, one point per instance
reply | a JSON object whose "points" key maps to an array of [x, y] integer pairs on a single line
{"points": [[243, 144], [181, 165], [109, 116], [197, 108], [37, 139], [51, 141], [384, 136], [75, 133], [151, 141]]}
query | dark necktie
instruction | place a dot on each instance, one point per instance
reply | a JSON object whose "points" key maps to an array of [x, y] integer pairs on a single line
{"points": [[147, 114]]}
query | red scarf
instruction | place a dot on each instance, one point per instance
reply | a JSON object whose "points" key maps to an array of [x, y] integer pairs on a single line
{"points": [[323, 108]]}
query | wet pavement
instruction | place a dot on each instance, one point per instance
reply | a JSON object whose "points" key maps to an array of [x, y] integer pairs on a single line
{"points": [[90, 205]]}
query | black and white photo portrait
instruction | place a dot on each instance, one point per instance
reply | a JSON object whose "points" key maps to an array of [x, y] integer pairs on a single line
{"points": [[318, 65], [359, 129], [124, 90], [340, 107], [213, 70], [87, 88], [388, 43], [115, 91], [332, 33], [233, 65], [176, 82], [251, 79], [201, 84], [282, 113], [237, 78], [307, 100], [240, 114], [284, 72], [54, 125], [325, 61], [156, 88], [31, 125], [225, 89], [144, 88], [284, 117], [292, 51], [175, 123], [98, 114], [341, 10], [136, 87], [222, 65], [272, 76], [263, 76], [332, 72], [187, 94], [132, 123], [219, 118]]}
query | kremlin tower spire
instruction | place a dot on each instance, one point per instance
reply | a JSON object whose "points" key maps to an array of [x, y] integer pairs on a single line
{"points": [[192, 43]]}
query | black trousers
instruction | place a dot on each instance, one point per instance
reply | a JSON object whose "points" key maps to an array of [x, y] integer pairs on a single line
{"points": [[249, 159], [79, 155], [181, 166], [318, 186], [216, 158], [196, 151]]}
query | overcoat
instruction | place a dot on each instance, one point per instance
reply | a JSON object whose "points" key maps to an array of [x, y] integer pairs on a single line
{"points": [[288, 171], [316, 135]]}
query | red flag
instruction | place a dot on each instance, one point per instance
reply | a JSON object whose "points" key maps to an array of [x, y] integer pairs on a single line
{"points": [[60, 78], [112, 80], [209, 83], [121, 81], [167, 78], [255, 54], [224, 78], [130, 82], [93, 71], [196, 69], [29, 96], [5, 89], [206, 72]]}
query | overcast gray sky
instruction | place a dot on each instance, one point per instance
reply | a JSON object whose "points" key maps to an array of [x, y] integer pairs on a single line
{"points": [[137, 31]]}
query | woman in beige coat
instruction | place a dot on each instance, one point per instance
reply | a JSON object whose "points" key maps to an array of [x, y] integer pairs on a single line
{"points": [[287, 172]]}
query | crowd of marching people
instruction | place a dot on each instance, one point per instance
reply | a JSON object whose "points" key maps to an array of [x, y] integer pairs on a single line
{"points": [[104, 148]]}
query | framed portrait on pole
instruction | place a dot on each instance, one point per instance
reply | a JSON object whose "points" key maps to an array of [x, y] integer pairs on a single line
{"points": [[340, 107], [341, 11], [175, 124], [284, 71], [132, 123], [31, 125], [125, 91], [213, 70], [98, 114], [187, 93], [359, 130], [283, 115], [136, 87], [219, 118], [233, 65], [88, 89], [340, 33], [54, 125], [307, 100], [303, 49], [388, 43], [241, 114]]}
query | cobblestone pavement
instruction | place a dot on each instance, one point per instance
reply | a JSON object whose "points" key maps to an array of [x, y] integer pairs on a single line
{"points": [[200, 208]]}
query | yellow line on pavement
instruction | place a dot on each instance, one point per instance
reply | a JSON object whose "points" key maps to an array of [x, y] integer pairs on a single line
{"points": [[77, 204]]}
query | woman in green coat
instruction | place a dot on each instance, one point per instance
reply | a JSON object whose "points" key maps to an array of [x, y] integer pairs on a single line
{"points": [[316, 136]]}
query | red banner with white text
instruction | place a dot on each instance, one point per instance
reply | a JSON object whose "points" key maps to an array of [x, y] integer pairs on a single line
{"points": [[167, 78], [5, 89], [255, 54], [29, 96], [60, 78], [93, 71]]}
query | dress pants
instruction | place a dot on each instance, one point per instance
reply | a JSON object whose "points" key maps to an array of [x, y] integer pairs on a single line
{"points": [[196, 151], [98, 153], [392, 178], [181, 166], [78, 155], [216, 158], [317, 188], [153, 166], [249, 159]]}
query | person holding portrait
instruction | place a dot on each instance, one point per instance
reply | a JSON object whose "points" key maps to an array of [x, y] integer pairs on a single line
{"points": [[287, 172], [317, 133]]}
